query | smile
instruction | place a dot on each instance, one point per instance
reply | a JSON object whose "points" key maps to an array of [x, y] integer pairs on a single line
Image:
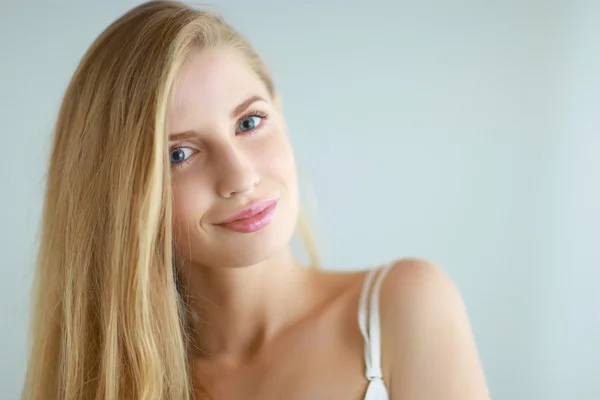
{"points": [[253, 218]]}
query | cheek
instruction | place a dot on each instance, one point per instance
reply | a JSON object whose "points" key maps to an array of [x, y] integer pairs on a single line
{"points": [[190, 202], [277, 160]]}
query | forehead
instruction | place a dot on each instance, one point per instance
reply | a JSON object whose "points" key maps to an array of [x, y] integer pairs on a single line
{"points": [[210, 85]]}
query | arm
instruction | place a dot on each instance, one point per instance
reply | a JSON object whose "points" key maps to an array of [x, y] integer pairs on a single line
{"points": [[428, 346]]}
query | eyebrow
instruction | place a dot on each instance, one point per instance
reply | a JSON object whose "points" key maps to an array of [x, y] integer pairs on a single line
{"points": [[240, 108], [245, 104]]}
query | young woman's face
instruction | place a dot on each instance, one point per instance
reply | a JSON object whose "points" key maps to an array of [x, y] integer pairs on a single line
{"points": [[232, 167]]}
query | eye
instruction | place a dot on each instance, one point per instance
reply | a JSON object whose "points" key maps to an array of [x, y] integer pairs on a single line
{"points": [[180, 154], [249, 123]]}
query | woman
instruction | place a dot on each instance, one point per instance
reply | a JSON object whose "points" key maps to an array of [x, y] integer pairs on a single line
{"points": [[164, 270]]}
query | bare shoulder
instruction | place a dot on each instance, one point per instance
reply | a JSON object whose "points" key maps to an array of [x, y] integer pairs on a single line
{"points": [[428, 348], [413, 284], [416, 294]]}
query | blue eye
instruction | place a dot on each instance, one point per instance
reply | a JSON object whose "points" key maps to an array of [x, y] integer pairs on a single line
{"points": [[178, 155], [249, 123]]}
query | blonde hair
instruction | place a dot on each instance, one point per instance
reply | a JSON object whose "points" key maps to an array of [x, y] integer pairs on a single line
{"points": [[108, 320]]}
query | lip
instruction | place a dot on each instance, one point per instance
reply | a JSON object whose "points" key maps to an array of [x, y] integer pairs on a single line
{"points": [[253, 218]]}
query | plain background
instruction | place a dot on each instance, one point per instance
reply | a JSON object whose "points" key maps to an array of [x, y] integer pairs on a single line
{"points": [[463, 132]]}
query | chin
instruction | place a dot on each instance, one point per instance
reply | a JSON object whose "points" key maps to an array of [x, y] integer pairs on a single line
{"points": [[214, 246], [247, 249], [235, 250]]}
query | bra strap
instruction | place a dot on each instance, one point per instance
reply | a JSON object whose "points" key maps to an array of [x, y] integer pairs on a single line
{"points": [[369, 320]]}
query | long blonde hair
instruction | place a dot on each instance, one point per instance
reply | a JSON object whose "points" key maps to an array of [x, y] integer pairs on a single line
{"points": [[108, 320]]}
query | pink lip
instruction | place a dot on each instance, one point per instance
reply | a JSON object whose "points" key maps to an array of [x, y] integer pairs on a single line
{"points": [[253, 218]]}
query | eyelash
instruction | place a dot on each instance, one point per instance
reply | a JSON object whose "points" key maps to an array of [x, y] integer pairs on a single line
{"points": [[253, 113]]}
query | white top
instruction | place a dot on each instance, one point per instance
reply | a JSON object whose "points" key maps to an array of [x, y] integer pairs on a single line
{"points": [[368, 321]]}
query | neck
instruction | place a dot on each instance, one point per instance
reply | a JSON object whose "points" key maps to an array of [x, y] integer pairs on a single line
{"points": [[236, 311]]}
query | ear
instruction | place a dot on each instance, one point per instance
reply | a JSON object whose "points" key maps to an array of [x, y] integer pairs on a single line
{"points": [[277, 101]]}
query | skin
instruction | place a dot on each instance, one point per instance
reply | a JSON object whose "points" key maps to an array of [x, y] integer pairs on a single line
{"points": [[264, 326]]}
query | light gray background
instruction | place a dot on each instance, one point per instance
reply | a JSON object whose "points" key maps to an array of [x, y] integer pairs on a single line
{"points": [[464, 132]]}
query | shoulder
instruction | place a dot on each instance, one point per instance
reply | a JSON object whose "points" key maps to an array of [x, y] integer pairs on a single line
{"points": [[418, 295], [428, 348], [413, 285]]}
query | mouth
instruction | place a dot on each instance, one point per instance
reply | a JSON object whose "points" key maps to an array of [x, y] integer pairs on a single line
{"points": [[253, 218]]}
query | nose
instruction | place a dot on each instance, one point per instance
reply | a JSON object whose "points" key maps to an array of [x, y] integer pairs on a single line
{"points": [[238, 175]]}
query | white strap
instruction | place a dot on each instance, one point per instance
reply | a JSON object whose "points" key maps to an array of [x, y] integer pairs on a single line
{"points": [[362, 317], [374, 324], [372, 336]]}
